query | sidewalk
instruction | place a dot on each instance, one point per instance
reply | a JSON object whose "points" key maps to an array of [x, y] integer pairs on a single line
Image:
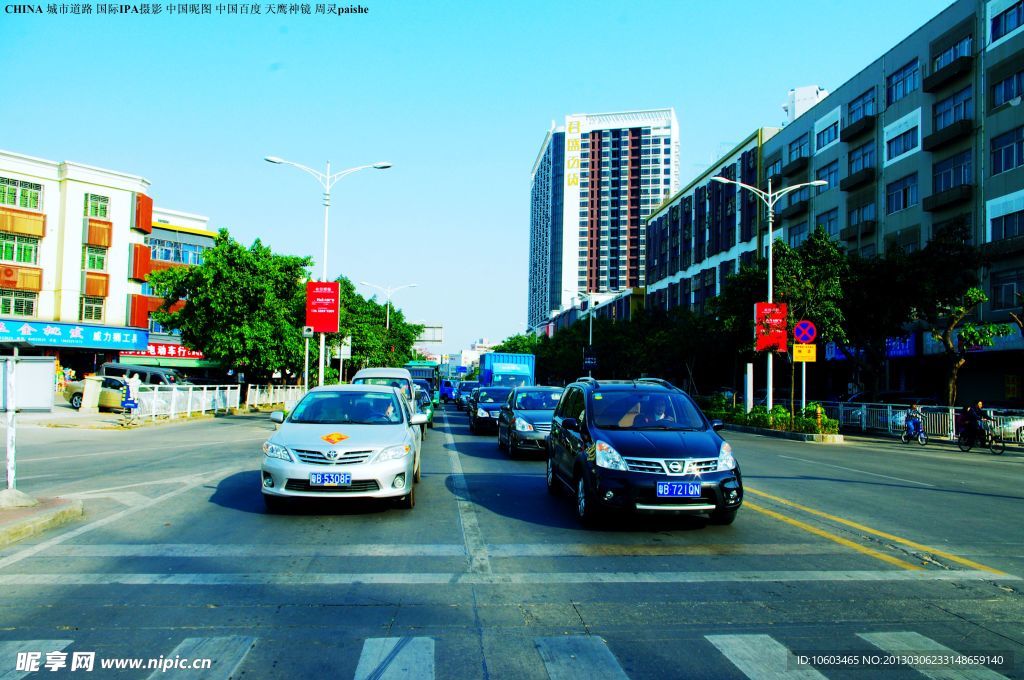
{"points": [[63, 415], [17, 523], [857, 437]]}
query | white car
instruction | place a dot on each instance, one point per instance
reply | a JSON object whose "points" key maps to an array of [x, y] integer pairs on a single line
{"points": [[344, 441]]}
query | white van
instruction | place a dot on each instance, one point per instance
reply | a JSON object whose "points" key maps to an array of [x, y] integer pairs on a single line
{"points": [[394, 377]]}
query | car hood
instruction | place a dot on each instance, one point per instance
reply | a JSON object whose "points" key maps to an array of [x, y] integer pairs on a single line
{"points": [[490, 405], [535, 416], [356, 437], [663, 443]]}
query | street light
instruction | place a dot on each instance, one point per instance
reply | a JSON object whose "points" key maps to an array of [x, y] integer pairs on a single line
{"points": [[388, 291], [770, 198], [590, 317], [326, 180]]}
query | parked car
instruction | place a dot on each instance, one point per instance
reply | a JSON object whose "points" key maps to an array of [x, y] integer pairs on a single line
{"points": [[426, 407], [463, 391], [641, 445], [344, 441], [484, 408], [150, 375], [111, 393], [524, 420]]}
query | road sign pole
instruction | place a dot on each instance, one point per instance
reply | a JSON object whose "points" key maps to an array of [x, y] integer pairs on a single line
{"points": [[12, 364], [803, 390], [305, 370]]}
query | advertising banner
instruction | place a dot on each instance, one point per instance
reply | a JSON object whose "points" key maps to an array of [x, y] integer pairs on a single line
{"points": [[322, 306], [770, 326]]}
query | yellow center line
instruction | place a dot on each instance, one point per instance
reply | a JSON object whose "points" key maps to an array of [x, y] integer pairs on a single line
{"points": [[870, 552], [895, 539]]}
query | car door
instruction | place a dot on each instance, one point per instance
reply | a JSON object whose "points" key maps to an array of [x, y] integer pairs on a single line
{"points": [[110, 393], [560, 439], [505, 415]]}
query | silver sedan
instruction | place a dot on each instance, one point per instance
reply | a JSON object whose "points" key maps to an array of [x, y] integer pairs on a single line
{"points": [[344, 441]]}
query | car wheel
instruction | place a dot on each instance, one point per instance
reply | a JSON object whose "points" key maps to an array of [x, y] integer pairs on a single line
{"points": [[513, 450], [586, 506], [723, 517], [501, 442], [408, 502], [472, 425], [275, 505], [76, 401], [549, 477]]}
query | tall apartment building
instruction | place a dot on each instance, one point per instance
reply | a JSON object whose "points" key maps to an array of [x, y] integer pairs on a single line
{"points": [[613, 170]]}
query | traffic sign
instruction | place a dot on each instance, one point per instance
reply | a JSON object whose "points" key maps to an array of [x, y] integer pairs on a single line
{"points": [[590, 361], [805, 331], [805, 352], [307, 331]]}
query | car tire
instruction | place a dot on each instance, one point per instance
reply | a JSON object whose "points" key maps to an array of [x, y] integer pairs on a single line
{"points": [[723, 517], [501, 443], [76, 401], [513, 450], [408, 502], [585, 505], [275, 505], [472, 425], [550, 479]]}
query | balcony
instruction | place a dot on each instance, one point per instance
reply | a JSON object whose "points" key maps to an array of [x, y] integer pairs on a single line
{"points": [[24, 222], [949, 197], [98, 232], [866, 227], [950, 133], [95, 284], [1003, 248], [857, 179], [776, 181], [795, 166], [21, 278], [793, 210], [949, 73], [160, 265], [854, 130], [848, 233]]}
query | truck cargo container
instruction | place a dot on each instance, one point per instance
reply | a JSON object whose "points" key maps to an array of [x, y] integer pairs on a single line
{"points": [[498, 369]]}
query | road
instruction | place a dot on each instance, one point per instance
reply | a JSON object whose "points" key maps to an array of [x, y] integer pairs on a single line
{"points": [[853, 551]]}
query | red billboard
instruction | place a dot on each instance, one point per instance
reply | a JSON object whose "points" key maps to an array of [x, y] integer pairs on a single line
{"points": [[322, 306], [770, 326]]}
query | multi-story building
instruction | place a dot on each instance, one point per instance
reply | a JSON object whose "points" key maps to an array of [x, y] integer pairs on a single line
{"points": [[609, 171]]}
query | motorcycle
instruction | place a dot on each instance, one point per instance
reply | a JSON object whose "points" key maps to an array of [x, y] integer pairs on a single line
{"points": [[988, 438]]}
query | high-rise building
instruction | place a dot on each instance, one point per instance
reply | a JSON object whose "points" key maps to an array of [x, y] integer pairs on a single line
{"points": [[595, 181]]}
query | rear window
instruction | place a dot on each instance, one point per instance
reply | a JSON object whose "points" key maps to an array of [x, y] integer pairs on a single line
{"points": [[489, 395], [388, 382], [539, 400], [639, 410]]}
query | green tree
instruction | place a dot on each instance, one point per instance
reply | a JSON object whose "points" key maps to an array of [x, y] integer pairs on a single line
{"points": [[1018, 317], [521, 343], [244, 306]]}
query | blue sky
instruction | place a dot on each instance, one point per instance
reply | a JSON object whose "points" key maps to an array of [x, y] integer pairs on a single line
{"points": [[458, 95]]}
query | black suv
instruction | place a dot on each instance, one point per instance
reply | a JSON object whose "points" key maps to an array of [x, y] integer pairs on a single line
{"points": [[640, 445]]}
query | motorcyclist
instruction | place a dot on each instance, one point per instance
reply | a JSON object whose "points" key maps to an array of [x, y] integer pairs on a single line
{"points": [[914, 420]]}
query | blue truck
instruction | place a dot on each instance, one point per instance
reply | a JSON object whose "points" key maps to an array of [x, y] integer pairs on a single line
{"points": [[498, 369]]}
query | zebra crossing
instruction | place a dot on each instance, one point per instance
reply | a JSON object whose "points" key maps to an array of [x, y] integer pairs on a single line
{"points": [[565, 657]]}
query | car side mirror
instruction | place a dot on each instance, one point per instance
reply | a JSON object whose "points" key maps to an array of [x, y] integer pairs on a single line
{"points": [[571, 424], [277, 416], [717, 424], [418, 419]]}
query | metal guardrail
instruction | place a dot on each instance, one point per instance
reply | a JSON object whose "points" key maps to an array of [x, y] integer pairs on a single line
{"points": [[267, 395], [174, 401], [939, 421]]}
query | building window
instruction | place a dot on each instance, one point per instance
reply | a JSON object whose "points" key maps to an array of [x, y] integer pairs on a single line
{"points": [[20, 249], [21, 194], [829, 173], [90, 308], [952, 172], [901, 194], [802, 194], [17, 303], [948, 56], [960, 106], [1008, 88], [901, 83], [96, 206], [829, 221], [901, 144], [797, 234], [1006, 286], [188, 253], [864, 213], [94, 258], [868, 251], [864, 105], [827, 136], [1008, 20], [799, 148], [1008, 226], [862, 157], [1008, 150]]}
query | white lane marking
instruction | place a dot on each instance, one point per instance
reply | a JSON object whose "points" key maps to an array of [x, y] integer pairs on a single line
{"points": [[863, 472], [464, 578], [476, 549], [255, 550], [129, 498], [22, 478], [391, 658], [118, 452], [226, 653], [761, 657], [198, 480], [9, 655], [915, 644], [163, 481], [572, 657]]}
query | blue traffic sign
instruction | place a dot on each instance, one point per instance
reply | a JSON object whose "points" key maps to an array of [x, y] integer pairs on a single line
{"points": [[804, 331]]}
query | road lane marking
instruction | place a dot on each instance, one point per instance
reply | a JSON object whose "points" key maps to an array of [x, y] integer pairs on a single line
{"points": [[129, 498], [891, 537], [870, 552], [761, 657], [198, 480], [915, 644], [9, 655], [27, 459], [465, 578], [255, 550], [392, 658], [862, 472], [476, 549], [226, 653], [571, 657]]}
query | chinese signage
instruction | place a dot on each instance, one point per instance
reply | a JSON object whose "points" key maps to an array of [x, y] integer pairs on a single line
{"points": [[805, 352], [43, 334], [165, 349], [322, 303], [770, 326]]}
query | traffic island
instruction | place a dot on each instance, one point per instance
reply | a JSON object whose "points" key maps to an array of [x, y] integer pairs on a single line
{"points": [[22, 516], [780, 434]]}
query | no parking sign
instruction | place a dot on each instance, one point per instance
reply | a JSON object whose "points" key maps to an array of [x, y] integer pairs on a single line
{"points": [[805, 331]]}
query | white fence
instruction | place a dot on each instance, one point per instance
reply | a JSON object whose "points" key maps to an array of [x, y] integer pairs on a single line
{"points": [[268, 395], [174, 401], [939, 421]]}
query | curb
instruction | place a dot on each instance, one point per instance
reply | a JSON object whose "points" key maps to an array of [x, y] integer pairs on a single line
{"points": [[795, 436], [51, 513]]}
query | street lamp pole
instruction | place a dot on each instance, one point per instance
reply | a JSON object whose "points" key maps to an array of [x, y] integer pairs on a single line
{"points": [[388, 292], [770, 198], [590, 319], [326, 180]]}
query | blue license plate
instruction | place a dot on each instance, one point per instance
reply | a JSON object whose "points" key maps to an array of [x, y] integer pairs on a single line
{"points": [[678, 489], [330, 478]]}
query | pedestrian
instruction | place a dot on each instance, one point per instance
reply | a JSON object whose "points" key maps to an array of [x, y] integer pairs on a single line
{"points": [[133, 386]]}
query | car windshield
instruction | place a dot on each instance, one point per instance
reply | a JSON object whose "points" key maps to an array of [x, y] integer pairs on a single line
{"points": [[354, 408], [643, 410], [538, 400], [491, 395]]}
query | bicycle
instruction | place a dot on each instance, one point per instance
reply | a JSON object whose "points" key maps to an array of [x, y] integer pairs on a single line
{"points": [[129, 418], [991, 440], [914, 430]]}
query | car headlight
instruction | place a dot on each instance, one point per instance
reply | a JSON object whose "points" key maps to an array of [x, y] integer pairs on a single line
{"points": [[394, 452], [522, 425], [480, 413], [607, 457], [277, 451], [725, 459]]}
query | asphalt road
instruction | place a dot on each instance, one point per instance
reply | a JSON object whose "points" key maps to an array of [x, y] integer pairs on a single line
{"points": [[851, 552]]}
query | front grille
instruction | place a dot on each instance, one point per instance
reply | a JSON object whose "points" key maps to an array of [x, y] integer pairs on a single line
{"points": [[357, 486], [542, 427], [346, 457], [642, 465], [699, 466]]}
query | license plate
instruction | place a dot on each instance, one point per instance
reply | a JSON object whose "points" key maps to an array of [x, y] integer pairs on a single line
{"points": [[678, 489], [330, 478]]}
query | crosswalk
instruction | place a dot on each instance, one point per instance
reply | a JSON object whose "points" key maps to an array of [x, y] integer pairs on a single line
{"points": [[564, 657]]}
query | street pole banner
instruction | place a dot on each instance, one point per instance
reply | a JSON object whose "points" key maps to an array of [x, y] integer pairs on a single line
{"points": [[770, 326], [322, 306]]}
